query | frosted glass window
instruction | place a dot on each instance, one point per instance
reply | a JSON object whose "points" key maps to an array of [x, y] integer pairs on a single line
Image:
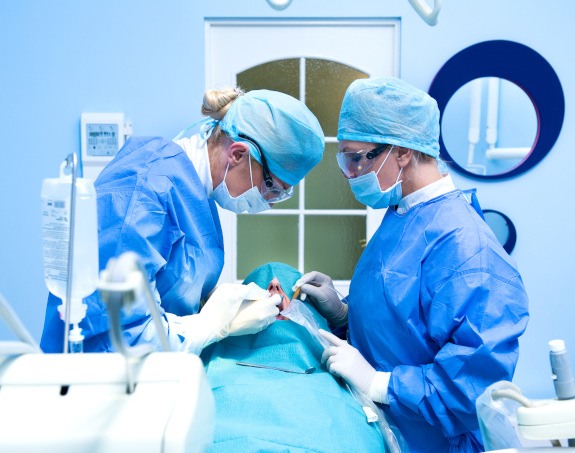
{"points": [[264, 238], [333, 244], [326, 187], [326, 82], [279, 75]]}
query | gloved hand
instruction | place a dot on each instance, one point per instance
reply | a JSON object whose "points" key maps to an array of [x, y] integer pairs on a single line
{"points": [[343, 360], [255, 316], [213, 322], [319, 287]]}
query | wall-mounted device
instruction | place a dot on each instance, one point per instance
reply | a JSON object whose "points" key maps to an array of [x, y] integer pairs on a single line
{"points": [[102, 135]]}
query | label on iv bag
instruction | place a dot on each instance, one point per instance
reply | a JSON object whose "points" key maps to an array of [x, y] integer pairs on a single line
{"points": [[56, 232]]}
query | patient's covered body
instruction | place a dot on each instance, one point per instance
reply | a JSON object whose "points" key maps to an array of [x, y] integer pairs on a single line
{"points": [[268, 410]]}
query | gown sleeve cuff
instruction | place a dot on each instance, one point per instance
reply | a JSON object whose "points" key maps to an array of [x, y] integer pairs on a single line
{"points": [[379, 386], [193, 333]]}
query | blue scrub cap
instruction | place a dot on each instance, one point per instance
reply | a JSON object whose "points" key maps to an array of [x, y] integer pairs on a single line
{"points": [[287, 132], [389, 110], [263, 275]]}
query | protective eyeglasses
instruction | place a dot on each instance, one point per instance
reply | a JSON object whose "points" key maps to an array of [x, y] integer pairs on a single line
{"points": [[356, 163], [271, 190]]}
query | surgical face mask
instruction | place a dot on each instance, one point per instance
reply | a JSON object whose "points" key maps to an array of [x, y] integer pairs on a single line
{"points": [[250, 201], [367, 190]]}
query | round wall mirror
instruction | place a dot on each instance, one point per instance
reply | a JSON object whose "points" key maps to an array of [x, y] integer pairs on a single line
{"points": [[502, 227], [526, 102], [489, 126]]}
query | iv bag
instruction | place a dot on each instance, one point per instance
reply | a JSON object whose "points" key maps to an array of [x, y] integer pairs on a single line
{"points": [[56, 221]]}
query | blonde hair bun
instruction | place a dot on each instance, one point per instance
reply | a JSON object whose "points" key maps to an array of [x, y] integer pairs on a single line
{"points": [[217, 102]]}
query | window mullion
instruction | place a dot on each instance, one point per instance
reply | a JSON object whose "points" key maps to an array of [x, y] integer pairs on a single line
{"points": [[301, 215]]}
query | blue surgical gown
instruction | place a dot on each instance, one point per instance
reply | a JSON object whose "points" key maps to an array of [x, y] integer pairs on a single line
{"points": [[436, 301], [150, 201]]}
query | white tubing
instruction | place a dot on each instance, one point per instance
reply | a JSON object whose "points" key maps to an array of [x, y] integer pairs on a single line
{"points": [[492, 112], [425, 12], [474, 119], [507, 153]]}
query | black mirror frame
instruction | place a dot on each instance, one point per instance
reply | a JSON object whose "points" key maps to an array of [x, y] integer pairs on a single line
{"points": [[516, 63], [512, 238]]}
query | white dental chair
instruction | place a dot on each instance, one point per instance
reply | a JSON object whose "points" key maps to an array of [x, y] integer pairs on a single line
{"points": [[511, 423], [133, 400]]}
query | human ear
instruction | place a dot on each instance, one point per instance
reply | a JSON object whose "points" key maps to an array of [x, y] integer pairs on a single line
{"points": [[236, 152], [404, 156]]}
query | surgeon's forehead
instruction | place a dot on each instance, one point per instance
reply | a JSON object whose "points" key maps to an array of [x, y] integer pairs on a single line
{"points": [[349, 145]]}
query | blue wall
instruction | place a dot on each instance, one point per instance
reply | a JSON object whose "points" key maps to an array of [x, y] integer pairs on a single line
{"points": [[145, 58]]}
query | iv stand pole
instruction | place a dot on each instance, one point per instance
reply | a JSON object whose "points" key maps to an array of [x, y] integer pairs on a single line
{"points": [[71, 161]]}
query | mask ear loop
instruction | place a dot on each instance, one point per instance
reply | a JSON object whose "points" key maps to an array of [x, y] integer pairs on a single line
{"points": [[250, 164], [226, 173], [384, 160]]}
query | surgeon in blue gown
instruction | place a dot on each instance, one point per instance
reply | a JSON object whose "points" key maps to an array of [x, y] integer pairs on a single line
{"points": [[157, 198], [436, 306]]}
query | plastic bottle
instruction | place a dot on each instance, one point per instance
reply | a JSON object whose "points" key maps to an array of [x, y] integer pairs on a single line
{"points": [[56, 212], [562, 372], [76, 339]]}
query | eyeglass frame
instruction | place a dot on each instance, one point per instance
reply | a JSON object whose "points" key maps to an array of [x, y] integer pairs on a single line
{"points": [[371, 154], [267, 176]]}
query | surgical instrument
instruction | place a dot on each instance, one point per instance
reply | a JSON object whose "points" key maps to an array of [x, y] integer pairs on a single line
{"points": [[310, 370]]}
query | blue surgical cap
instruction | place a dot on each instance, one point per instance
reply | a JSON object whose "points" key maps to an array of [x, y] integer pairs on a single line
{"points": [[263, 275], [287, 132], [389, 110]]}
